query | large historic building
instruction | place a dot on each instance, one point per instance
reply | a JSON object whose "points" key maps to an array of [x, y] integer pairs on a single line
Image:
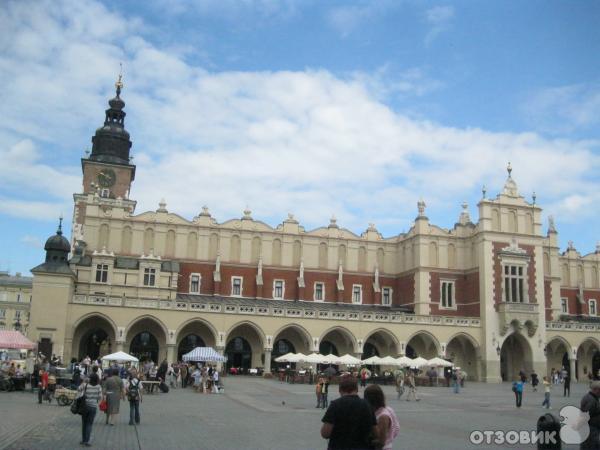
{"points": [[494, 295], [15, 300]]}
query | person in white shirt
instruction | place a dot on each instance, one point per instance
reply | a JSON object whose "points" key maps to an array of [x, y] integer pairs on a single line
{"points": [[215, 377]]}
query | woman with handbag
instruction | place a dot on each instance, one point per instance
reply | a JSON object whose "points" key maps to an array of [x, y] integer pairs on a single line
{"points": [[91, 392], [113, 392]]}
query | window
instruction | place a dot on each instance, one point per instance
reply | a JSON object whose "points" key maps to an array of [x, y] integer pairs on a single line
{"points": [[386, 296], [2, 313], [149, 277], [101, 273], [195, 283], [236, 286], [19, 297], [564, 305], [447, 295], [357, 294], [514, 284], [278, 287], [18, 314], [319, 295], [104, 193], [592, 306]]}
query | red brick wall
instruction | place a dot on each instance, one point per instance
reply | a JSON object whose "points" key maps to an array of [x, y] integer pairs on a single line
{"points": [[206, 270], [404, 293], [498, 246], [577, 308], [466, 294]]}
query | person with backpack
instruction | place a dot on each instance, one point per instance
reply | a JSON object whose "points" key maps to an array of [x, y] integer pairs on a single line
{"points": [[517, 388], [92, 392], [388, 427], [134, 396]]}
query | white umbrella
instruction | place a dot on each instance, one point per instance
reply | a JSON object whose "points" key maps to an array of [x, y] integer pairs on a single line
{"points": [[439, 362], [372, 360], [348, 360], [389, 361], [315, 358], [404, 361], [288, 357], [418, 362], [331, 359], [120, 357], [204, 354]]}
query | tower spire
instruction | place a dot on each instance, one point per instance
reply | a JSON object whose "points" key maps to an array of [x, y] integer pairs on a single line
{"points": [[59, 231], [119, 82]]}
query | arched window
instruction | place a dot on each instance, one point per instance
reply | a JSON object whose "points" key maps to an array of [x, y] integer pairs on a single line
{"points": [[170, 244], [297, 253], [192, 245], [433, 254], [144, 346], [276, 252], [189, 343], [323, 255], [103, 237], [148, 241], [126, 236], [236, 248], [342, 255], [213, 246]]}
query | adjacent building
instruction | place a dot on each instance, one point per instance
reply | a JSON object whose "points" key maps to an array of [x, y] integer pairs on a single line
{"points": [[15, 299], [493, 294]]}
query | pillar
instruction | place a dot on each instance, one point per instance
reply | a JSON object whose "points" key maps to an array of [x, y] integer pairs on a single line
{"points": [[572, 370], [170, 353], [119, 346], [267, 365]]}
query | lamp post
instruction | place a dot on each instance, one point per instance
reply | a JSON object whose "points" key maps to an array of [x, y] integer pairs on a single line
{"points": [[498, 349]]}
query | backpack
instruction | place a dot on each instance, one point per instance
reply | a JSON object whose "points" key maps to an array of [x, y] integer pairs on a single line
{"points": [[133, 392], [514, 386]]}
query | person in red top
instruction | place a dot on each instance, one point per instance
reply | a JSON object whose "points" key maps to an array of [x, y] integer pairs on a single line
{"points": [[42, 385]]}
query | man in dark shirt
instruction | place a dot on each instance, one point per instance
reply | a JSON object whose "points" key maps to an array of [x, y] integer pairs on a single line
{"points": [[590, 403], [349, 422]]}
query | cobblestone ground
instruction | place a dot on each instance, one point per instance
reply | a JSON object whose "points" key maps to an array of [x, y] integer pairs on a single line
{"points": [[265, 414]]}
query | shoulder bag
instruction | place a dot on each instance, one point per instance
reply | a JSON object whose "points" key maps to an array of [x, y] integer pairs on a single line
{"points": [[79, 405]]}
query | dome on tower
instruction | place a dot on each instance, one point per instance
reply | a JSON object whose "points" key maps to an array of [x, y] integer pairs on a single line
{"points": [[58, 242]]}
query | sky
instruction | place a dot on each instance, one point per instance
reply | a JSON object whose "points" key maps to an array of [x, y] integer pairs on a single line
{"points": [[349, 108]]}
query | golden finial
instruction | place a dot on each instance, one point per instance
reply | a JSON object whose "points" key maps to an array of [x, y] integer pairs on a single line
{"points": [[119, 83]]}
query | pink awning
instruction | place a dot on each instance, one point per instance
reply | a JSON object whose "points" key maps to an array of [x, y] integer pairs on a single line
{"points": [[14, 339]]}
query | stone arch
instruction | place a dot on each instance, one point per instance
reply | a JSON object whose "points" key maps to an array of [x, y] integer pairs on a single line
{"points": [[148, 241], [252, 342], [126, 238], [386, 342], [588, 358], [433, 254], [423, 343], [170, 244], [235, 249], [197, 327], [465, 352], [297, 336], [515, 355], [103, 237], [556, 348], [85, 326], [147, 324], [192, 245], [323, 255], [276, 253], [342, 338]]}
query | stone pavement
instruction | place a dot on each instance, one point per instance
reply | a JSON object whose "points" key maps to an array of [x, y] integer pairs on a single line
{"points": [[265, 414]]}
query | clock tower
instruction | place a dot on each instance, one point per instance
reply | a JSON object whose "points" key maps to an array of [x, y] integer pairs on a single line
{"points": [[107, 171]]}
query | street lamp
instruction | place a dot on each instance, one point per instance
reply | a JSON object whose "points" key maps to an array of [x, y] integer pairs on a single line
{"points": [[498, 349], [545, 350]]}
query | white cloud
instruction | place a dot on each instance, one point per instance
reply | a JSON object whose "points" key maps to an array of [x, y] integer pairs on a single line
{"points": [[348, 18], [32, 241], [305, 142], [439, 19]]}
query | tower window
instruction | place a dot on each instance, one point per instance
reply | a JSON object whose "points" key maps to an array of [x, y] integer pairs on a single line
{"points": [[447, 295], [149, 277], [357, 294], [386, 296], [319, 292], [592, 307], [514, 284], [195, 283], [278, 288], [101, 273], [104, 193]]}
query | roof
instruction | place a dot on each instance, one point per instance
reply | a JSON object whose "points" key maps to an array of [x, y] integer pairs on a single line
{"points": [[51, 267], [14, 339], [14, 280], [319, 306]]}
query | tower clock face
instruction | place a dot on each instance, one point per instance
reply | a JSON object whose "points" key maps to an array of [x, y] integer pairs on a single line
{"points": [[106, 177]]}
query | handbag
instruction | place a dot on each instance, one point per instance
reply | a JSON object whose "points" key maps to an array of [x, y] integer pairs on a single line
{"points": [[79, 405], [103, 406]]}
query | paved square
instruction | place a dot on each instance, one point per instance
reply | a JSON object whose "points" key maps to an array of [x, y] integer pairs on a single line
{"points": [[265, 414]]}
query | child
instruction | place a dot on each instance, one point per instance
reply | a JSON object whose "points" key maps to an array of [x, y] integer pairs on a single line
{"points": [[547, 386], [324, 392]]}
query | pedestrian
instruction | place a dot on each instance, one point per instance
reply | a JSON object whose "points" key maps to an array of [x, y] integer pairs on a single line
{"points": [[517, 388], [400, 383], [523, 376], [134, 396], [387, 422], [184, 375], [324, 393], [51, 384], [318, 391], [430, 374], [567, 385], [364, 374], [456, 381], [216, 378], [197, 375], [113, 392], [412, 387], [547, 388], [42, 385], [590, 403], [534, 381], [93, 394], [204, 376], [349, 421], [76, 380]]}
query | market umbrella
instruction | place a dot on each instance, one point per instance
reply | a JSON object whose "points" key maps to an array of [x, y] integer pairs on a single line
{"points": [[288, 357], [330, 371], [315, 358], [389, 361], [418, 362], [14, 339], [120, 357], [348, 360], [330, 359], [373, 360], [404, 361], [439, 362]]}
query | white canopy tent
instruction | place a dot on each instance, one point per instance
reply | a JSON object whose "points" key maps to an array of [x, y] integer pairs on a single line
{"points": [[288, 357], [120, 357], [389, 361], [204, 354], [404, 361], [315, 358]]}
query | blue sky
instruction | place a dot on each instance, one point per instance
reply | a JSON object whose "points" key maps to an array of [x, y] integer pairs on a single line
{"points": [[355, 109]]}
